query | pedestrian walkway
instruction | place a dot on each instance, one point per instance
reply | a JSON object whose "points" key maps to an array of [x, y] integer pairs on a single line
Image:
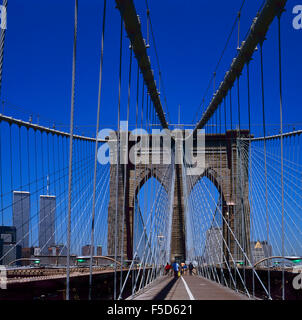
{"points": [[188, 288]]}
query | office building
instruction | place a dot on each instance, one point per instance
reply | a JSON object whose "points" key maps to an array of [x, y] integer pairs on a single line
{"points": [[37, 251], [26, 254], [86, 250], [57, 250], [47, 223], [21, 217], [99, 250], [9, 251], [61, 250], [261, 250], [52, 251]]}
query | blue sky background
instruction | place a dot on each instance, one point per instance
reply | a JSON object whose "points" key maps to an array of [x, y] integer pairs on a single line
{"points": [[190, 37]]}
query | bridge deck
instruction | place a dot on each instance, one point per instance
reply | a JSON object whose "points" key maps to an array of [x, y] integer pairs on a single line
{"points": [[188, 288]]}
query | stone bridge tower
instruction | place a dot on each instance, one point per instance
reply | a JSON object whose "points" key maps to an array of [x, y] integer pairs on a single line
{"points": [[224, 167]]}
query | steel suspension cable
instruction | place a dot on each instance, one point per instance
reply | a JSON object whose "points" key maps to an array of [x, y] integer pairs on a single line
{"points": [[221, 57], [281, 146], [125, 171], [1, 177], [118, 161], [161, 82], [250, 151], [238, 244], [2, 40], [264, 149], [205, 201], [96, 148], [71, 149], [141, 237]]}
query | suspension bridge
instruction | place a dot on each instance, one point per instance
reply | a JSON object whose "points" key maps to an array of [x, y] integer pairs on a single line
{"points": [[100, 216]]}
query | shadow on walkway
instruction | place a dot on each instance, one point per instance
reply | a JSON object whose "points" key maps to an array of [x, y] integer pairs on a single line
{"points": [[165, 291]]}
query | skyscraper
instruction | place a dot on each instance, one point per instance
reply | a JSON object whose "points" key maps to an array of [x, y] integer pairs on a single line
{"points": [[86, 250], [99, 250], [21, 213], [47, 223], [9, 251], [261, 250]]}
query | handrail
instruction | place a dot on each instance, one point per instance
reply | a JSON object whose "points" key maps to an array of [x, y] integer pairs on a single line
{"points": [[275, 257], [36, 127]]}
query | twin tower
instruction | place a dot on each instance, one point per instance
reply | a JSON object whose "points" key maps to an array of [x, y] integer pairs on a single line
{"points": [[22, 220]]}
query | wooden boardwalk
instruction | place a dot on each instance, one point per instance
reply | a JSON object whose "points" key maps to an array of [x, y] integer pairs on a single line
{"points": [[188, 288]]}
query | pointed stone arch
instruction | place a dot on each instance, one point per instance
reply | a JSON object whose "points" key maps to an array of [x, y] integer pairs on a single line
{"points": [[222, 164]]}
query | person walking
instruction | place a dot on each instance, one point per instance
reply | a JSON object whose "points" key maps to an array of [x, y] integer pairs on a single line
{"points": [[185, 268], [182, 268], [175, 267], [167, 268], [191, 267]]}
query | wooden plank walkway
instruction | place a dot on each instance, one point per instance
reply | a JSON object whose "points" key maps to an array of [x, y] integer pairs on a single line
{"points": [[188, 288]]}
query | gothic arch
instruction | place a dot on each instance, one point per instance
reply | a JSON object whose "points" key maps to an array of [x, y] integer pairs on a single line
{"points": [[144, 176], [214, 177]]}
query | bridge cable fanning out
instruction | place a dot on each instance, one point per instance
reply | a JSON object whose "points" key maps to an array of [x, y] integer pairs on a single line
{"points": [[96, 147], [239, 217], [212, 79]]}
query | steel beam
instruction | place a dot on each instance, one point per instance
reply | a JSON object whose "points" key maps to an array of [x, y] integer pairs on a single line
{"points": [[256, 34], [36, 127], [134, 32]]}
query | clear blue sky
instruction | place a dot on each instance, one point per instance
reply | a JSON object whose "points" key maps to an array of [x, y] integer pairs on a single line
{"points": [[190, 37]]}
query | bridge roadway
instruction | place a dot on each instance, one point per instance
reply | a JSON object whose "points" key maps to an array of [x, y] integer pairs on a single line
{"points": [[187, 288]]}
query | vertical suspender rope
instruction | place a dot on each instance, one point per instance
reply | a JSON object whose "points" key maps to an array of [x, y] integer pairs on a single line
{"points": [[264, 150], [220, 123], [142, 119], [225, 115], [29, 183], [36, 170], [58, 189], [143, 100], [134, 197], [1, 177], [48, 162], [220, 253], [2, 42], [281, 140], [144, 179], [125, 171], [148, 37], [228, 208], [238, 34], [233, 232], [71, 149], [23, 230], [231, 114], [144, 185], [241, 174], [64, 156], [96, 151], [238, 97], [250, 158], [118, 161]]}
